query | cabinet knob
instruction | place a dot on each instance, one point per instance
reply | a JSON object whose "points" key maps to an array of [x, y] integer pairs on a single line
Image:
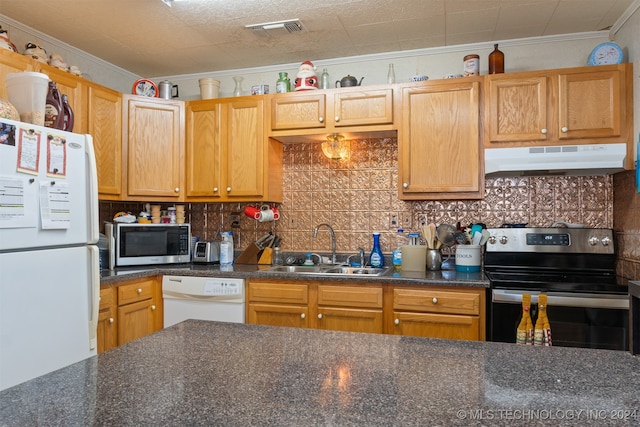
{"points": [[321, 119], [337, 118], [319, 315], [228, 189], [397, 321], [302, 316], [405, 185], [544, 131], [139, 290], [177, 189], [435, 300], [111, 320], [564, 129], [153, 307], [215, 189]]}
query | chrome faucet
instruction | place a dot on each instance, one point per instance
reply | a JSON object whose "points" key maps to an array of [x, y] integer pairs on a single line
{"points": [[333, 239], [362, 261]]}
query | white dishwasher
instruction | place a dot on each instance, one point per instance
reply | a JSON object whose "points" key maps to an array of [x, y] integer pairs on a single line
{"points": [[202, 298]]}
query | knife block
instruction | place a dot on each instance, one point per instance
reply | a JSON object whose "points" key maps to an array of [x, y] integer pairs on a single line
{"points": [[250, 255]]}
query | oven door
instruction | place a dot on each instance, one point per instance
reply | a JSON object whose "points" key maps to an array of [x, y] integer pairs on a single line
{"points": [[577, 319]]}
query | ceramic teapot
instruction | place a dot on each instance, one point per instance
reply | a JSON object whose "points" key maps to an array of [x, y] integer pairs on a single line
{"points": [[348, 81]]}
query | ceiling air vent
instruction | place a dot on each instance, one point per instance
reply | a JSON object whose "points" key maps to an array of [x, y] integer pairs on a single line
{"points": [[277, 28]]}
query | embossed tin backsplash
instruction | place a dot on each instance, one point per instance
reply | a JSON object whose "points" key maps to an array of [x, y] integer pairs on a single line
{"points": [[359, 196]]}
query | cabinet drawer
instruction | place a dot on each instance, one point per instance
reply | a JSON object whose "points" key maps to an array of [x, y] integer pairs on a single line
{"points": [[278, 293], [107, 298], [436, 301], [139, 291], [349, 296]]}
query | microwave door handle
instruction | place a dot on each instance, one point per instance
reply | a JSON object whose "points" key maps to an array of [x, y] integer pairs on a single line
{"points": [[564, 299]]}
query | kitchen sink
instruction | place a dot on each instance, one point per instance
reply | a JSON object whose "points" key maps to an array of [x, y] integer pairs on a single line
{"points": [[301, 269], [330, 270]]}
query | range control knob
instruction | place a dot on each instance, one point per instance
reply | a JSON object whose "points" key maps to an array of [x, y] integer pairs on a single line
{"points": [[593, 240], [492, 240], [504, 240], [605, 241]]}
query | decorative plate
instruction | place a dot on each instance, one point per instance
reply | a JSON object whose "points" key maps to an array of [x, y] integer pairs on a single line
{"points": [[606, 53], [145, 87]]}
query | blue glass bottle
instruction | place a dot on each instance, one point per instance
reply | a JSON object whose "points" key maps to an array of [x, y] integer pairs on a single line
{"points": [[376, 259]]}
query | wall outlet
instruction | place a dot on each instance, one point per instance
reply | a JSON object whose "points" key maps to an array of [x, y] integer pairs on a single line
{"points": [[234, 219], [406, 221], [394, 221]]}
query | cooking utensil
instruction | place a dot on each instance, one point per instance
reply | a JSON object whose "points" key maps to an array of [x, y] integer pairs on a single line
{"points": [[446, 234]]}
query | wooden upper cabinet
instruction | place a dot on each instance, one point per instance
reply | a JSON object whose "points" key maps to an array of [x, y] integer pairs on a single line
{"points": [[591, 104], [246, 149], [154, 147], [582, 105], [298, 111], [204, 149], [363, 107], [439, 141], [228, 156], [104, 124], [354, 109], [518, 109]]}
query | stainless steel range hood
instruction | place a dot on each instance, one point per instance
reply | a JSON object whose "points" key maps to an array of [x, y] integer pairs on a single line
{"points": [[593, 159]]}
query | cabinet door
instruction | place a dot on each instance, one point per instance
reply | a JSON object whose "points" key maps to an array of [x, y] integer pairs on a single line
{"points": [[135, 320], [516, 109], [104, 123], [278, 315], [363, 107], [298, 111], [350, 320], [204, 149], [449, 326], [439, 144], [11, 62], [590, 104], [245, 149], [107, 327], [154, 148]]}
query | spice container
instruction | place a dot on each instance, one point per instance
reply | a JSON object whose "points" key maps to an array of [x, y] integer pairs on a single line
{"points": [[471, 65]]}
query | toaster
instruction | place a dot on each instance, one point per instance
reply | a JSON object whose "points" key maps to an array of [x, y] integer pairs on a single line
{"points": [[206, 252]]}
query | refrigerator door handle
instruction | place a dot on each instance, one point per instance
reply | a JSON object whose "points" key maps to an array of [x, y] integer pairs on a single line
{"points": [[94, 282], [92, 176]]}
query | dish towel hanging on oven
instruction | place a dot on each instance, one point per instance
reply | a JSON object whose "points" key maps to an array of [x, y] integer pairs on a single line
{"points": [[542, 332], [524, 334]]}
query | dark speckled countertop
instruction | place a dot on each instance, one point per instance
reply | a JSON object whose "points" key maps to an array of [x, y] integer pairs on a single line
{"points": [[445, 277], [223, 374]]}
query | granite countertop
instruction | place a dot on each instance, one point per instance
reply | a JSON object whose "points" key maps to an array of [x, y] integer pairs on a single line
{"points": [[444, 277], [210, 373]]}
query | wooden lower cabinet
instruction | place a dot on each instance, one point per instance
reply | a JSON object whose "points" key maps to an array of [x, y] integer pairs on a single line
{"points": [[278, 304], [107, 327], [439, 313], [425, 311], [129, 310], [350, 308]]}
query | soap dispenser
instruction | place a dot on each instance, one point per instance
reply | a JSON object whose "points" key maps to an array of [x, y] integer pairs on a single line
{"points": [[376, 259]]}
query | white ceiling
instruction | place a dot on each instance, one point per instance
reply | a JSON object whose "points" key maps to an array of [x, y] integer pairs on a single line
{"points": [[149, 38]]}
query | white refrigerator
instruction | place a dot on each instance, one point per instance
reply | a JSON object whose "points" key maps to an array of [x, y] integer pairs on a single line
{"points": [[49, 261]]}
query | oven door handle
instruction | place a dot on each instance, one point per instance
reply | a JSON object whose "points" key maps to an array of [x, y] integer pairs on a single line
{"points": [[564, 299]]}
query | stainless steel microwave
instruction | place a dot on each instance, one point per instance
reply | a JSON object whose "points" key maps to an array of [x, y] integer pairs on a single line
{"points": [[146, 244]]}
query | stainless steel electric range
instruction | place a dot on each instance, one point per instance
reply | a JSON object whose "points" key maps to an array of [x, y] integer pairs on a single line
{"points": [[575, 267]]}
